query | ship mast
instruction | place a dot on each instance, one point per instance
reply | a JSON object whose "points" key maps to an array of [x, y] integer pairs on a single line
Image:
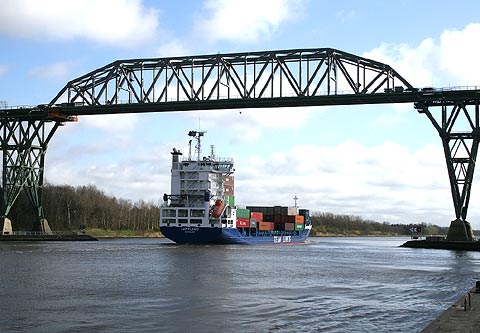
{"points": [[198, 146]]}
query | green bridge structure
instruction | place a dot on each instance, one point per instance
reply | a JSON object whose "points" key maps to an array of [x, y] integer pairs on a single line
{"points": [[267, 79]]}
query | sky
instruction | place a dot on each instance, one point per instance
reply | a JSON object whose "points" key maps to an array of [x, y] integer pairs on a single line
{"points": [[381, 162]]}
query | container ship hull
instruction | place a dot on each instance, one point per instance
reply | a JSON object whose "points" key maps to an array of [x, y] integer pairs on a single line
{"points": [[198, 235], [201, 208]]}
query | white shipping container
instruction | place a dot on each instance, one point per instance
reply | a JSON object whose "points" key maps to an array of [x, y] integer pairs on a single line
{"points": [[292, 211]]}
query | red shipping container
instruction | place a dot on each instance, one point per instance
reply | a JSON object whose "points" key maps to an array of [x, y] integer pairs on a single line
{"points": [[265, 225], [257, 216], [289, 226], [299, 219], [243, 222]]}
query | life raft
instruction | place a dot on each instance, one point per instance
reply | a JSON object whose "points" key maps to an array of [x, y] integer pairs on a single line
{"points": [[217, 209]]}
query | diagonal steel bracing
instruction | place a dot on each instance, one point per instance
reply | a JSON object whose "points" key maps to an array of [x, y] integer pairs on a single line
{"points": [[458, 126], [24, 143], [252, 75]]}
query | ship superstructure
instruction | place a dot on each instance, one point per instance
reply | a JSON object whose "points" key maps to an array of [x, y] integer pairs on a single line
{"points": [[201, 205]]}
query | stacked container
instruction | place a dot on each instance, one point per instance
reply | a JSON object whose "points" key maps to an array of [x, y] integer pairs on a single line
{"points": [[244, 213], [266, 225], [283, 218], [243, 218], [243, 222]]}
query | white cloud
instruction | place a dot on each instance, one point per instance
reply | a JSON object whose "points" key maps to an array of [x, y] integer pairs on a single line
{"points": [[119, 22], [3, 70], [414, 64], [459, 51], [247, 125], [132, 175], [114, 123], [245, 20], [385, 183], [449, 61]]}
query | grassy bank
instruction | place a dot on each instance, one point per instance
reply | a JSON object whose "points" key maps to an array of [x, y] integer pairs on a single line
{"points": [[102, 233]]}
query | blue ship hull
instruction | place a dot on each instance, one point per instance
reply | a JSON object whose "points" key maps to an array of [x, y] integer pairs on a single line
{"points": [[197, 235]]}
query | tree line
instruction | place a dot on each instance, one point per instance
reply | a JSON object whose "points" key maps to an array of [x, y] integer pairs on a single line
{"points": [[67, 208], [349, 225]]}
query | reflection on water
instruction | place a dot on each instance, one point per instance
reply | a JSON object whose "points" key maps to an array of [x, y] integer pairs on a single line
{"points": [[152, 285]]}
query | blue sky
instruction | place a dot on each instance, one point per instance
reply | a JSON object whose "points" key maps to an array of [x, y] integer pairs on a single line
{"points": [[381, 162]]}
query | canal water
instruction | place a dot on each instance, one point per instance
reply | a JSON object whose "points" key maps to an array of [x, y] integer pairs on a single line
{"points": [[152, 285]]}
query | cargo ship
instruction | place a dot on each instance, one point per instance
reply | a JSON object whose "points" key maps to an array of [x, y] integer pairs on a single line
{"points": [[201, 206]]}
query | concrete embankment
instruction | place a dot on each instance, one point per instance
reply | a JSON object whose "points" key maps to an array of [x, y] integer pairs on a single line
{"points": [[444, 245], [46, 237], [463, 316]]}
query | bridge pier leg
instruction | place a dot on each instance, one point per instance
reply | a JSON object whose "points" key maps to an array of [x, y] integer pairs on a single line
{"points": [[23, 144], [459, 130]]}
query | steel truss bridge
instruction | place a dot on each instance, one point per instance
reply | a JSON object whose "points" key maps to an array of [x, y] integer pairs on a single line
{"points": [[285, 78]]}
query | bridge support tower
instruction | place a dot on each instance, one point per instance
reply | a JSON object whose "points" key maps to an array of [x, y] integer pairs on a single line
{"points": [[24, 143], [457, 124]]}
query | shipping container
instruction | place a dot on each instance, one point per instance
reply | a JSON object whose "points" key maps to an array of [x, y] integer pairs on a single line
{"points": [[242, 212], [299, 226], [243, 222], [304, 212], [230, 200], [280, 210], [268, 218], [289, 226], [257, 216], [261, 209], [292, 210], [265, 225], [279, 218], [253, 223], [279, 226]]}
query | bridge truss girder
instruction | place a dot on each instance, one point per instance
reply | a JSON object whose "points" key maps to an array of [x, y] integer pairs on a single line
{"points": [[458, 125], [238, 76], [24, 143]]}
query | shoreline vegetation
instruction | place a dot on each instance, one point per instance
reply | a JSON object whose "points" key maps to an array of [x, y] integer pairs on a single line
{"points": [[69, 208]]}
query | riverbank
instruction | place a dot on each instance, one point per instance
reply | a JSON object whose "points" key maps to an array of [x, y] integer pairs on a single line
{"points": [[102, 233], [37, 237]]}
